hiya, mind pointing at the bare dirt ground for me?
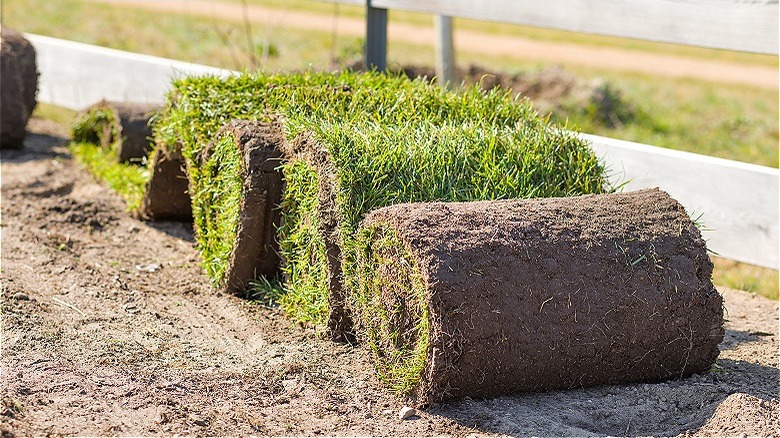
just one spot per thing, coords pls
(109, 327)
(483, 43)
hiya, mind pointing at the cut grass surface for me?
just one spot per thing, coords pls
(371, 140)
(215, 206)
(128, 180)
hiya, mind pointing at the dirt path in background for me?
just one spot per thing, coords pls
(488, 44)
(110, 327)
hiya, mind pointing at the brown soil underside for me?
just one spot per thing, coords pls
(160, 353)
(505, 282)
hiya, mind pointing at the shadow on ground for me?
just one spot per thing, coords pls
(655, 408)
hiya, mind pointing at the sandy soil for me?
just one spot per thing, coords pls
(477, 42)
(109, 327)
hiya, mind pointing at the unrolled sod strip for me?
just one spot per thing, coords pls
(484, 298)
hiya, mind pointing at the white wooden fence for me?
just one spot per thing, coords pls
(738, 201)
(741, 25)
(75, 75)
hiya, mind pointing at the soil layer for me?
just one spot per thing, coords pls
(147, 348)
(540, 294)
(166, 196)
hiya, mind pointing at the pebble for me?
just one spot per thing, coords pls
(151, 267)
(21, 296)
(198, 421)
(406, 413)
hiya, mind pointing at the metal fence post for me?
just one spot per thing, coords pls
(445, 52)
(376, 37)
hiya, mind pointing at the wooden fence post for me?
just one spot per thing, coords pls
(445, 52)
(376, 37)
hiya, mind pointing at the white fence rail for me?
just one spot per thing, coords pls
(738, 201)
(74, 75)
(741, 25)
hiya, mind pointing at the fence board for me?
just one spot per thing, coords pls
(748, 26)
(75, 75)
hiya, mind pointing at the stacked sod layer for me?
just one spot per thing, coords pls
(113, 140)
(96, 141)
(485, 298)
(354, 142)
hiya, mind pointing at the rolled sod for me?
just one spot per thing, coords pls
(18, 88)
(491, 297)
(240, 171)
(352, 143)
(166, 196)
(123, 125)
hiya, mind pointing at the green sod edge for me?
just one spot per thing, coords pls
(215, 189)
(389, 305)
(128, 180)
(390, 140)
(90, 126)
(302, 246)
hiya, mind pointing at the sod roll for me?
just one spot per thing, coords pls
(18, 87)
(485, 298)
(123, 125)
(240, 170)
(352, 143)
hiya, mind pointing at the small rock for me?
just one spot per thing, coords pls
(131, 309)
(151, 267)
(21, 296)
(406, 413)
(198, 421)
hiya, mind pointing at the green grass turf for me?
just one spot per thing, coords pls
(128, 180)
(385, 139)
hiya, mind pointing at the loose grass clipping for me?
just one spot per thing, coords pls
(19, 87)
(124, 126)
(477, 299)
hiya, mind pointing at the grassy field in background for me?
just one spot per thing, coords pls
(727, 121)
(724, 120)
